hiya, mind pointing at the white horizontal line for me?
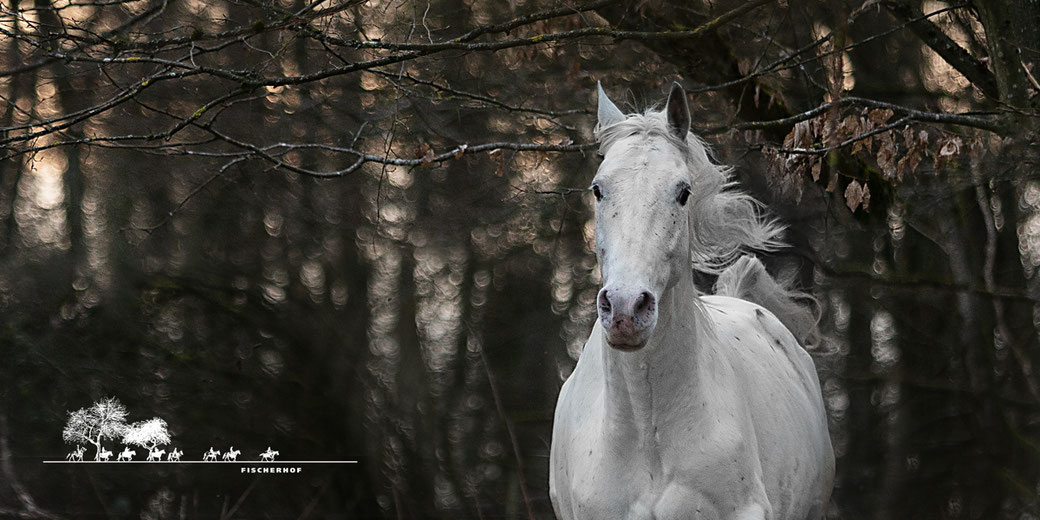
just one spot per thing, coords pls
(200, 462)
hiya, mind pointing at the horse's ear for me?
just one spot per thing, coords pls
(678, 111)
(608, 112)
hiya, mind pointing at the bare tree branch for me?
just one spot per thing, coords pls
(911, 115)
(944, 46)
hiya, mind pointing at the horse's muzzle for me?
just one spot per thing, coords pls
(628, 316)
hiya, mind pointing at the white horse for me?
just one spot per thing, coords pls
(155, 454)
(682, 405)
(211, 454)
(232, 454)
(174, 455)
(126, 454)
(269, 455)
(104, 454)
(76, 454)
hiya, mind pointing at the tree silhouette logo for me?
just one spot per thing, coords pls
(107, 420)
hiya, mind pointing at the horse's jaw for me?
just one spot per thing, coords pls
(625, 347)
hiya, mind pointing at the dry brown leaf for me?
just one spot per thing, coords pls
(879, 116)
(800, 136)
(908, 164)
(427, 159)
(916, 145)
(815, 171)
(864, 144)
(857, 195)
(461, 150)
(816, 125)
(949, 149)
(832, 184)
(908, 136)
(868, 143)
(849, 126)
(886, 155)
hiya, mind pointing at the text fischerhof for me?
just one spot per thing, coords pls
(255, 469)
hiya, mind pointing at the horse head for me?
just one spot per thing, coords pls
(642, 190)
(662, 211)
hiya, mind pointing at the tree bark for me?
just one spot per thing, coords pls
(1013, 35)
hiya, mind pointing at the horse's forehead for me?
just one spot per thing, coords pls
(644, 159)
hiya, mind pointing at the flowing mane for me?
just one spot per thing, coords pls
(724, 221)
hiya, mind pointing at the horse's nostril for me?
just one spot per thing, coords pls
(604, 302)
(644, 302)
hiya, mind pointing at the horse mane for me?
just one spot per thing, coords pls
(748, 279)
(724, 222)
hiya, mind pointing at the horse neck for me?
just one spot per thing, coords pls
(647, 388)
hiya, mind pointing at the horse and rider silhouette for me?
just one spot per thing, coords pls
(232, 454)
(269, 455)
(76, 454)
(156, 455)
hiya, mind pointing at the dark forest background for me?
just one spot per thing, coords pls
(360, 230)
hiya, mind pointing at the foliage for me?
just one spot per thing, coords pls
(147, 434)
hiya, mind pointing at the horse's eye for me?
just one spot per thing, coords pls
(684, 196)
(597, 192)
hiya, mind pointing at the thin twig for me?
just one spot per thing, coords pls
(509, 430)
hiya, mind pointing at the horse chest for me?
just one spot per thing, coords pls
(612, 489)
(620, 473)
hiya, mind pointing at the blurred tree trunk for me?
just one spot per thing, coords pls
(854, 491)
(874, 70)
(73, 177)
(11, 169)
(1012, 33)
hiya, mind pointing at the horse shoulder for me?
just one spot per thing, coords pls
(777, 380)
(581, 390)
(575, 425)
(751, 334)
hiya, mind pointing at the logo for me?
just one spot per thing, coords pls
(106, 421)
